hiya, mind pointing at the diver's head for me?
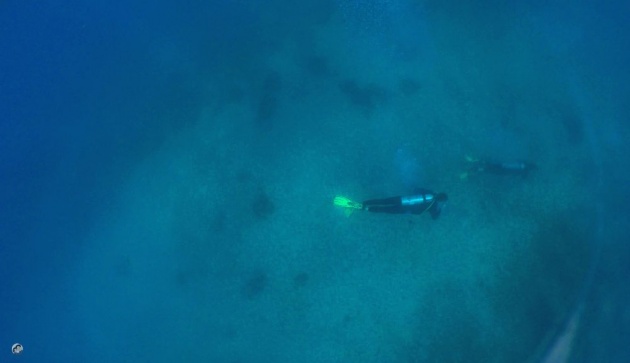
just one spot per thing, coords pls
(441, 197)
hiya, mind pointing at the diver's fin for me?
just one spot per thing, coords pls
(346, 203)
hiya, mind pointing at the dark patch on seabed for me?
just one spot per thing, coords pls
(255, 285)
(363, 96)
(300, 280)
(267, 105)
(262, 206)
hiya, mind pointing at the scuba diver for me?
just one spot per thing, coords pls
(421, 201)
(516, 167)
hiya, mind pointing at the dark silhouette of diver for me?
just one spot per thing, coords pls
(516, 167)
(421, 201)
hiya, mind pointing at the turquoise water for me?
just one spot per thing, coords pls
(168, 173)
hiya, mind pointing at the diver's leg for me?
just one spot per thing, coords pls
(382, 202)
(386, 205)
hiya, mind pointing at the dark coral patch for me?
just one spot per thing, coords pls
(267, 103)
(364, 96)
(255, 285)
(300, 280)
(262, 206)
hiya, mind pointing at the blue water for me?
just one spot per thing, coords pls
(168, 169)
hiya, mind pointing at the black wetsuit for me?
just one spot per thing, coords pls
(424, 200)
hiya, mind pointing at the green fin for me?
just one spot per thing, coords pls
(346, 203)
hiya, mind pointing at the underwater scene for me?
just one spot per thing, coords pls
(387, 181)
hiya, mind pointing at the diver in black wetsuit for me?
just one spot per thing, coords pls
(422, 201)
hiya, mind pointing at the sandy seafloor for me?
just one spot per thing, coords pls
(187, 215)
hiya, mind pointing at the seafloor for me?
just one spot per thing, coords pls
(217, 239)
(225, 243)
